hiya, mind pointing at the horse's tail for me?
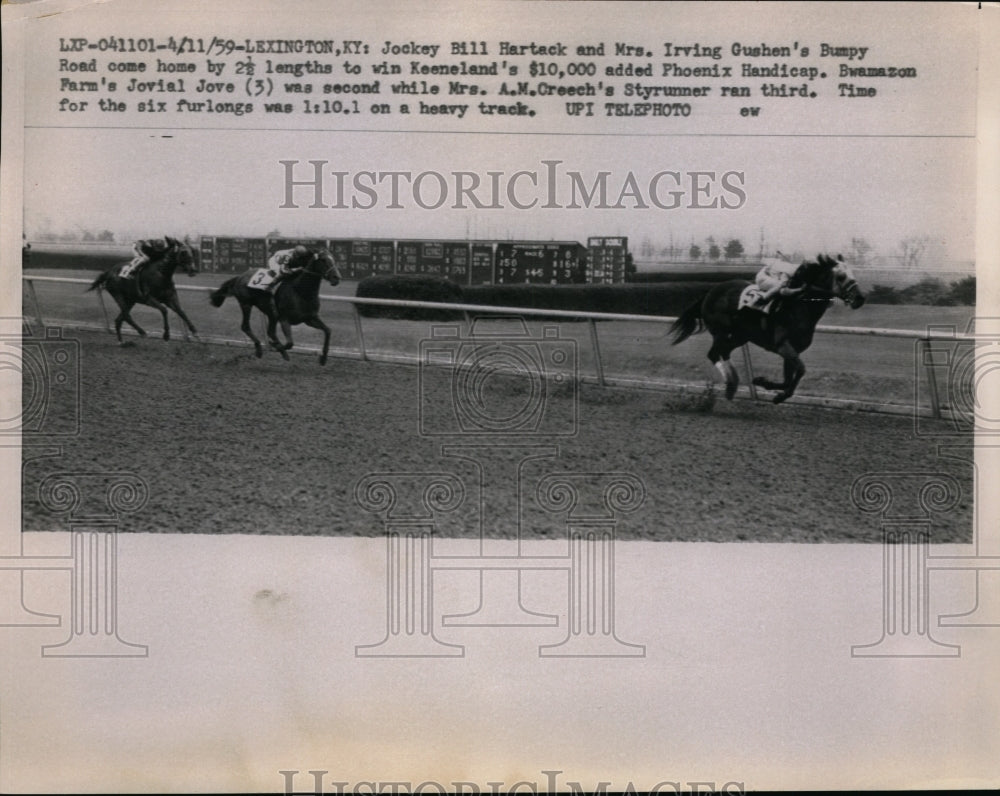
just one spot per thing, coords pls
(225, 290)
(100, 282)
(690, 322)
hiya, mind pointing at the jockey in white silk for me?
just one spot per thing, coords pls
(772, 279)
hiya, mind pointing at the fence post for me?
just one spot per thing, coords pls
(598, 364)
(34, 301)
(932, 384)
(104, 309)
(748, 363)
(361, 334)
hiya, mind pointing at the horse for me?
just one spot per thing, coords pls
(157, 278)
(295, 300)
(786, 331)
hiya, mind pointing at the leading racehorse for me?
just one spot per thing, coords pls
(786, 331)
(294, 301)
(158, 286)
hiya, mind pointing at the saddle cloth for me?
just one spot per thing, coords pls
(262, 279)
(127, 271)
(750, 299)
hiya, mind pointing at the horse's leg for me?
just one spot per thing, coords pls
(286, 327)
(270, 308)
(245, 326)
(156, 305)
(316, 323)
(125, 314)
(794, 371)
(719, 356)
(768, 384)
(272, 337)
(175, 305)
(119, 319)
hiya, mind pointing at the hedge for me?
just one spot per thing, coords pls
(694, 275)
(928, 291)
(637, 299)
(78, 260)
(410, 288)
(668, 299)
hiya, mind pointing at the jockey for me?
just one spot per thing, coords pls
(145, 251)
(278, 264)
(773, 279)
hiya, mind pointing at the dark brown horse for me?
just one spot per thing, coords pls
(294, 301)
(786, 331)
(154, 286)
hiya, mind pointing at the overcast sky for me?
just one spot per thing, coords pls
(231, 183)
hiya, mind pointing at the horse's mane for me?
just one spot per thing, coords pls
(813, 273)
(172, 252)
(312, 253)
(302, 260)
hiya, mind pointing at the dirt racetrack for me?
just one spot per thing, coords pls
(231, 444)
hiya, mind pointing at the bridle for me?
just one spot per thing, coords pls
(845, 290)
(332, 267)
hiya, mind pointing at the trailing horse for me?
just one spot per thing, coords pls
(295, 300)
(786, 331)
(157, 287)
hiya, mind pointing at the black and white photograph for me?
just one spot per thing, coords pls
(499, 397)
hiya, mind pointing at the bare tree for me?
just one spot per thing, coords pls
(860, 249)
(913, 249)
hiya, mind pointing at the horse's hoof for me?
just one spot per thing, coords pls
(128, 344)
(284, 354)
(322, 360)
(258, 352)
(142, 334)
(759, 381)
(730, 391)
(779, 398)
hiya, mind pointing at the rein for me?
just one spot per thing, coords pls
(324, 275)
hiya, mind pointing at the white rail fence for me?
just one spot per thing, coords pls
(937, 409)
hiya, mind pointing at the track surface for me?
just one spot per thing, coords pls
(232, 444)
